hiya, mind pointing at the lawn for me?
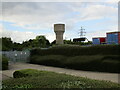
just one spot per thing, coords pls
(31, 78)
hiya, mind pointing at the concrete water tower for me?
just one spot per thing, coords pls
(59, 30)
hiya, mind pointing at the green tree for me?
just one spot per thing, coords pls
(42, 41)
(7, 44)
(68, 42)
(17, 46)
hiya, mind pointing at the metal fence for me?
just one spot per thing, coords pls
(16, 56)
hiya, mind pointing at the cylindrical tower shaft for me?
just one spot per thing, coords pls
(59, 29)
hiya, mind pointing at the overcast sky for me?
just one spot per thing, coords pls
(25, 20)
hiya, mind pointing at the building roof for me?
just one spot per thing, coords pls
(113, 32)
(98, 37)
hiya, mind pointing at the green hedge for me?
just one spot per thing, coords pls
(26, 73)
(52, 60)
(4, 63)
(44, 79)
(104, 63)
(78, 50)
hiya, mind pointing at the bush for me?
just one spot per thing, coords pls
(110, 66)
(84, 62)
(4, 63)
(52, 60)
(103, 58)
(78, 50)
(25, 73)
(104, 63)
(45, 79)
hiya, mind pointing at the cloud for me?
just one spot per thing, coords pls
(18, 36)
(42, 16)
(94, 11)
(60, 0)
(101, 33)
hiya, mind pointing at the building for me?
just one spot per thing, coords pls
(99, 40)
(59, 30)
(113, 38)
(79, 39)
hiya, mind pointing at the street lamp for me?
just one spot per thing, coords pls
(15, 57)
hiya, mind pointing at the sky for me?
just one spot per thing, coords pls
(25, 20)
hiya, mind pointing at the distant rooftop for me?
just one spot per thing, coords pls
(114, 32)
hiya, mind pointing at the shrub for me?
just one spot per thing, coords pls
(25, 73)
(94, 58)
(104, 63)
(84, 62)
(45, 79)
(78, 50)
(4, 63)
(52, 60)
(110, 66)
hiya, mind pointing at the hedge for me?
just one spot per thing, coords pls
(26, 73)
(4, 62)
(104, 63)
(45, 79)
(78, 50)
(50, 60)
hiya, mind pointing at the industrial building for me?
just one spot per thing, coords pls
(113, 38)
(99, 40)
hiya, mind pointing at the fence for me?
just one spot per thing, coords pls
(16, 56)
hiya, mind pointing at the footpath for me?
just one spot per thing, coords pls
(114, 77)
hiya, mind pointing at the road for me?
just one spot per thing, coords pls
(93, 75)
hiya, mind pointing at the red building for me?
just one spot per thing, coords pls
(113, 38)
(99, 40)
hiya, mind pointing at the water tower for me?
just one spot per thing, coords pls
(59, 30)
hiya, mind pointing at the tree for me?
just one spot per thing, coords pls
(42, 41)
(68, 42)
(17, 46)
(53, 43)
(39, 41)
(7, 44)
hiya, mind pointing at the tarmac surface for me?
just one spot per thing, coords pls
(6, 74)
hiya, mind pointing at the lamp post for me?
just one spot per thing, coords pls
(15, 57)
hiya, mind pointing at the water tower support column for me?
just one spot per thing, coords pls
(59, 30)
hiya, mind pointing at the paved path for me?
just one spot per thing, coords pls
(93, 75)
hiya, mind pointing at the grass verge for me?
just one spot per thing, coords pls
(30, 78)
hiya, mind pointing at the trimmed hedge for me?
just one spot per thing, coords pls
(104, 63)
(52, 60)
(103, 58)
(44, 79)
(4, 63)
(26, 73)
(78, 50)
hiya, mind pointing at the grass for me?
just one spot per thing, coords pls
(103, 63)
(31, 78)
